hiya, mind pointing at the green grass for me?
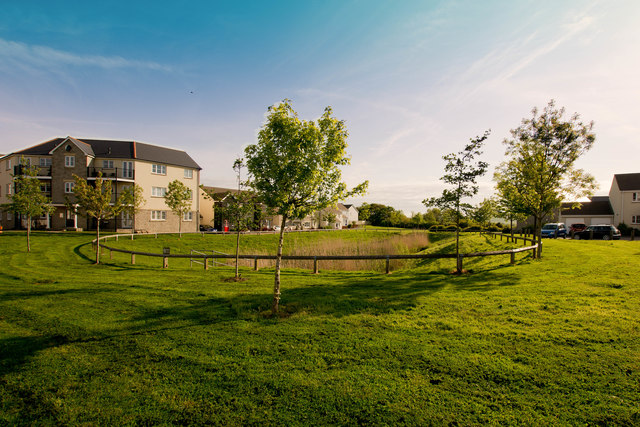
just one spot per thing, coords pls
(554, 341)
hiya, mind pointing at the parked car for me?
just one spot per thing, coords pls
(601, 231)
(554, 230)
(577, 227)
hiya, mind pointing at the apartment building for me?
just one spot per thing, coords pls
(124, 163)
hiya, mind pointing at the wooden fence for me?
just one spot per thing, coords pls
(317, 258)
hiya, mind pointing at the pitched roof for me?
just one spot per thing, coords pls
(118, 150)
(628, 181)
(599, 205)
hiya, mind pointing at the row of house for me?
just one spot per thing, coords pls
(124, 163)
(621, 206)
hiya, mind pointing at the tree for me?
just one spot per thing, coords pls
(94, 201)
(330, 218)
(295, 168)
(178, 198)
(540, 172)
(461, 174)
(484, 212)
(240, 208)
(27, 199)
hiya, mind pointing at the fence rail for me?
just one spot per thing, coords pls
(316, 258)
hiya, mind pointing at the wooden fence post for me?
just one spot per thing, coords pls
(110, 254)
(255, 263)
(315, 265)
(206, 263)
(513, 257)
(133, 259)
(633, 232)
(165, 262)
(131, 236)
(387, 265)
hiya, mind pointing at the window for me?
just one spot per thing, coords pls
(45, 187)
(188, 173)
(8, 189)
(68, 187)
(9, 164)
(635, 219)
(188, 216)
(9, 216)
(158, 191)
(107, 164)
(159, 169)
(635, 197)
(69, 161)
(158, 215)
(45, 161)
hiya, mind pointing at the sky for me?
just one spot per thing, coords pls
(413, 80)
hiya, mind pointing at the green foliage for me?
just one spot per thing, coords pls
(179, 199)
(484, 212)
(461, 174)
(124, 344)
(27, 199)
(540, 172)
(295, 167)
(95, 201)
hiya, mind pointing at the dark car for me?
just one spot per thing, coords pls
(599, 232)
(554, 230)
(575, 228)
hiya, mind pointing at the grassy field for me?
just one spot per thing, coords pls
(555, 341)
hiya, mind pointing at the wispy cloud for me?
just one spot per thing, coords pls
(43, 56)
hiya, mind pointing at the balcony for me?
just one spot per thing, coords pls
(111, 173)
(42, 170)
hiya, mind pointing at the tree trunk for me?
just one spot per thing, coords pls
(237, 248)
(29, 234)
(458, 269)
(539, 234)
(276, 285)
(98, 241)
(180, 226)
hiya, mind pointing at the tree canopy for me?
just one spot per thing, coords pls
(27, 199)
(540, 172)
(295, 167)
(461, 175)
(178, 198)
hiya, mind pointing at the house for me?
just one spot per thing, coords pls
(625, 198)
(124, 163)
(597, 210)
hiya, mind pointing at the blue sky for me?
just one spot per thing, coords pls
(413, 80)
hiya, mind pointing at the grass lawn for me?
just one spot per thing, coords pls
(555, 341)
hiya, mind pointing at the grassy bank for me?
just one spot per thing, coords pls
(552, 341)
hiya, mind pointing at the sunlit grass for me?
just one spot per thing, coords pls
(554, 341)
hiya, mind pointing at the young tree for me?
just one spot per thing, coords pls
(27, 199)
(540, 172)
(178, 198)
(240, 208)
(330, 218)
(295, 168)
(484, 211)
(94, 201)
(461, 174)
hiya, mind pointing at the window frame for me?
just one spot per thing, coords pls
(157, 166)
(69, 161)
(69, 185)
(188, 173)
(187, 216)
(45, 162)
(163, 191)
(108, 164)
(635, 219)
(158, 215)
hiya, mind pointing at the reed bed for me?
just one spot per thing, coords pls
(397, 244)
